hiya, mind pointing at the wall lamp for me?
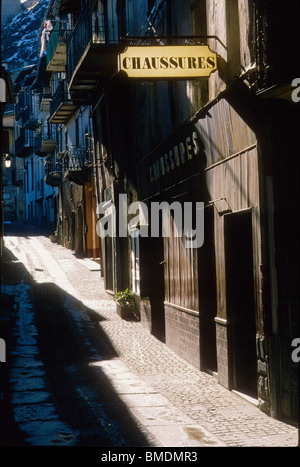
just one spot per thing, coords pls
(7, 161)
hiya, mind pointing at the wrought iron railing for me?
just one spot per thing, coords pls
(29, 120)
(49, 132)
(58, 36)
(91, 28)
(61, 95)
(25, 143)
(53, 171)
(261, 46)
(45, 94)
(47, 139)
(21, 104)
(77, 159)
(79, 39)
(268, 47)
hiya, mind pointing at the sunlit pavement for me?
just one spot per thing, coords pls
(167, 401)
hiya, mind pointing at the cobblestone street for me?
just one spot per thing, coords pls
(172, 402)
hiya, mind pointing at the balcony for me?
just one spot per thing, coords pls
(53, 170)
(20, 105)
(45, 99)
(61, 105)
(28, 119)
(48, 142)
(273, 77)
(77, 165)
(25, 144)
(57, 49)
(92, 50)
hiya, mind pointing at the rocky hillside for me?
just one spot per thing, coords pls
(19, 38)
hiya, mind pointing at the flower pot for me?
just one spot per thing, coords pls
(125, 311)
(53, 238)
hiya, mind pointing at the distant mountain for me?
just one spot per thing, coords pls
(19, 36)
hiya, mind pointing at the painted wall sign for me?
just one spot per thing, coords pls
(175, 157)
(165, 62)
(179, 157)
(180, 160)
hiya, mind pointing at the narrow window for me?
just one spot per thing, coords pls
(135, 261)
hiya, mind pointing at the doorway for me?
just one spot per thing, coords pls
(157, 286)
(207, 295)
(109, 263)
(240, 302)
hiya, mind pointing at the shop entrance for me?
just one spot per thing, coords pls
(157, 287)
(92, 240)
(207, 295)
(240, 302)
(109, 263)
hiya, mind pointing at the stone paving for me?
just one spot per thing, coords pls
(188, 398)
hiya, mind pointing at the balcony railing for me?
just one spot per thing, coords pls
(21, 105)
(47, 139)
(28, 119)
(61, 106)
(26, 143)
(79, 39)
(271, 73)
(77, 165)
(53, 172)
(92, 50)
(45, 99)
(57, 48)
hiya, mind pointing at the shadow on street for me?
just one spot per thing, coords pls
(88, 404)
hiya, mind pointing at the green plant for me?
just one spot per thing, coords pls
(123, 297)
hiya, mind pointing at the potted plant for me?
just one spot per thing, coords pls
(125, 304)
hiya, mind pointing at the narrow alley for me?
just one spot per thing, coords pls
(149, 231)
(76, 374)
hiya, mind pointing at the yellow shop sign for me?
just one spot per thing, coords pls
(165, 62)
